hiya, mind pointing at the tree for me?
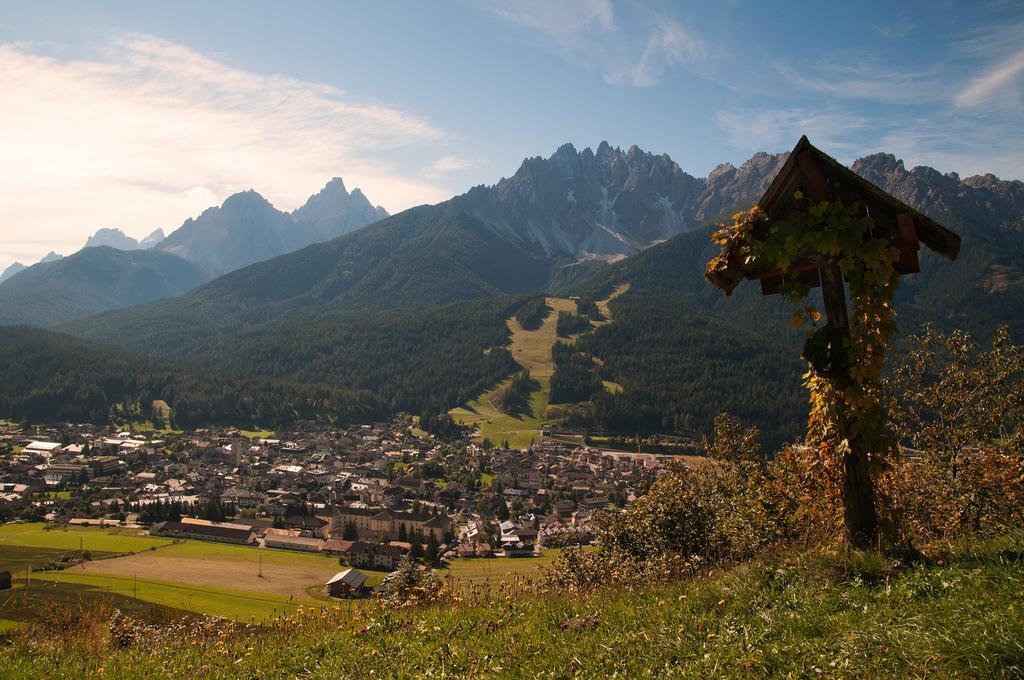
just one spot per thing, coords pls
(502, 509)
(409, 584)
(350, 533)
(432, 551)
(402, 534)
(417, 548)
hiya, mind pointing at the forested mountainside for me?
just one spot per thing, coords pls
(50, 376)
(329, 310)
(91, 281)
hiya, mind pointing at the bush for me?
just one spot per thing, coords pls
(411, 584)
(731, 507)
(962, 411)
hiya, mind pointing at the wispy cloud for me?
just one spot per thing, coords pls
(998, 79)
(449, 163)
(778, 129)
(944, 140)
(637, 53)
(562, 20)
(151, 132)
(867, 80)
(670, 43)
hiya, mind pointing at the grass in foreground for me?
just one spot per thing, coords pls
(804, 615)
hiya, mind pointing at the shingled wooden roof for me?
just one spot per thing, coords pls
(809, 173)
(797, 175)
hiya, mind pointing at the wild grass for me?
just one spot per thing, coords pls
(800, 614)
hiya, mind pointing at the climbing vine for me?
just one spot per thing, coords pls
(844, 376)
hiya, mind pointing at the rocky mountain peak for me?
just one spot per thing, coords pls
(115, 238)
(336, 185)
(246, 200)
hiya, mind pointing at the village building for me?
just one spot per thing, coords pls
(205, 532)
(348, 583)
(300, 543)
(376, 523)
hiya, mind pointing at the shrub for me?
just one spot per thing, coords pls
(411, 584)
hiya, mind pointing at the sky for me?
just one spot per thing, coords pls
(139, 115)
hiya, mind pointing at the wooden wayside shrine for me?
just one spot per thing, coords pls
(811, 175)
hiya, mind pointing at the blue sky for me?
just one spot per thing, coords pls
(139, 114)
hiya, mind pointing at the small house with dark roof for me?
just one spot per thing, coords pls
(348, 583)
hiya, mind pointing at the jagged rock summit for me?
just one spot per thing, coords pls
(246, 228)
(334, 211)
(609, 202)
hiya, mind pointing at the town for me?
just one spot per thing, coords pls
(368, 495)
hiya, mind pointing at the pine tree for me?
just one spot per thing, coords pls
(432, 552)
(417, 548)
(402, 534)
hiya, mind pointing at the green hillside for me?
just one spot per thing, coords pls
(92, 281)
(52, 377)
(795, 615)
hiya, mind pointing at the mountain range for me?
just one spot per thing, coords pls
(115, 238)
(412, 306)
(246, 228)
(91, 281)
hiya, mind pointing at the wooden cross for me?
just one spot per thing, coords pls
(811, 173)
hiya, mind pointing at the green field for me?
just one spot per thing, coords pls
(232, 581)
(799, 614)
(493, 572)
(214, 601)
(532, 351)
(23, 545)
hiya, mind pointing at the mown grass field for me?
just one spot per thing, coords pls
(33, 544)
(491, 573)
(798, 615)
(197, 576)
(200, 564)
(228, 603)
(532, 351)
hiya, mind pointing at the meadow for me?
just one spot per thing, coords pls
(195, 576)
(35, 544)
(797, 614)
(236, 582)
(531, 349)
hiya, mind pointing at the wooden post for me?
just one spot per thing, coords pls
(858, 491)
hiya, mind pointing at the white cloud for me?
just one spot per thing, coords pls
(871, 82)
(944, 140)
(961, 144)
(449, 163)
(779, 129)
(669, 43)
(152, 132)
(636, 52)
(998, 79)
(562, 19)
